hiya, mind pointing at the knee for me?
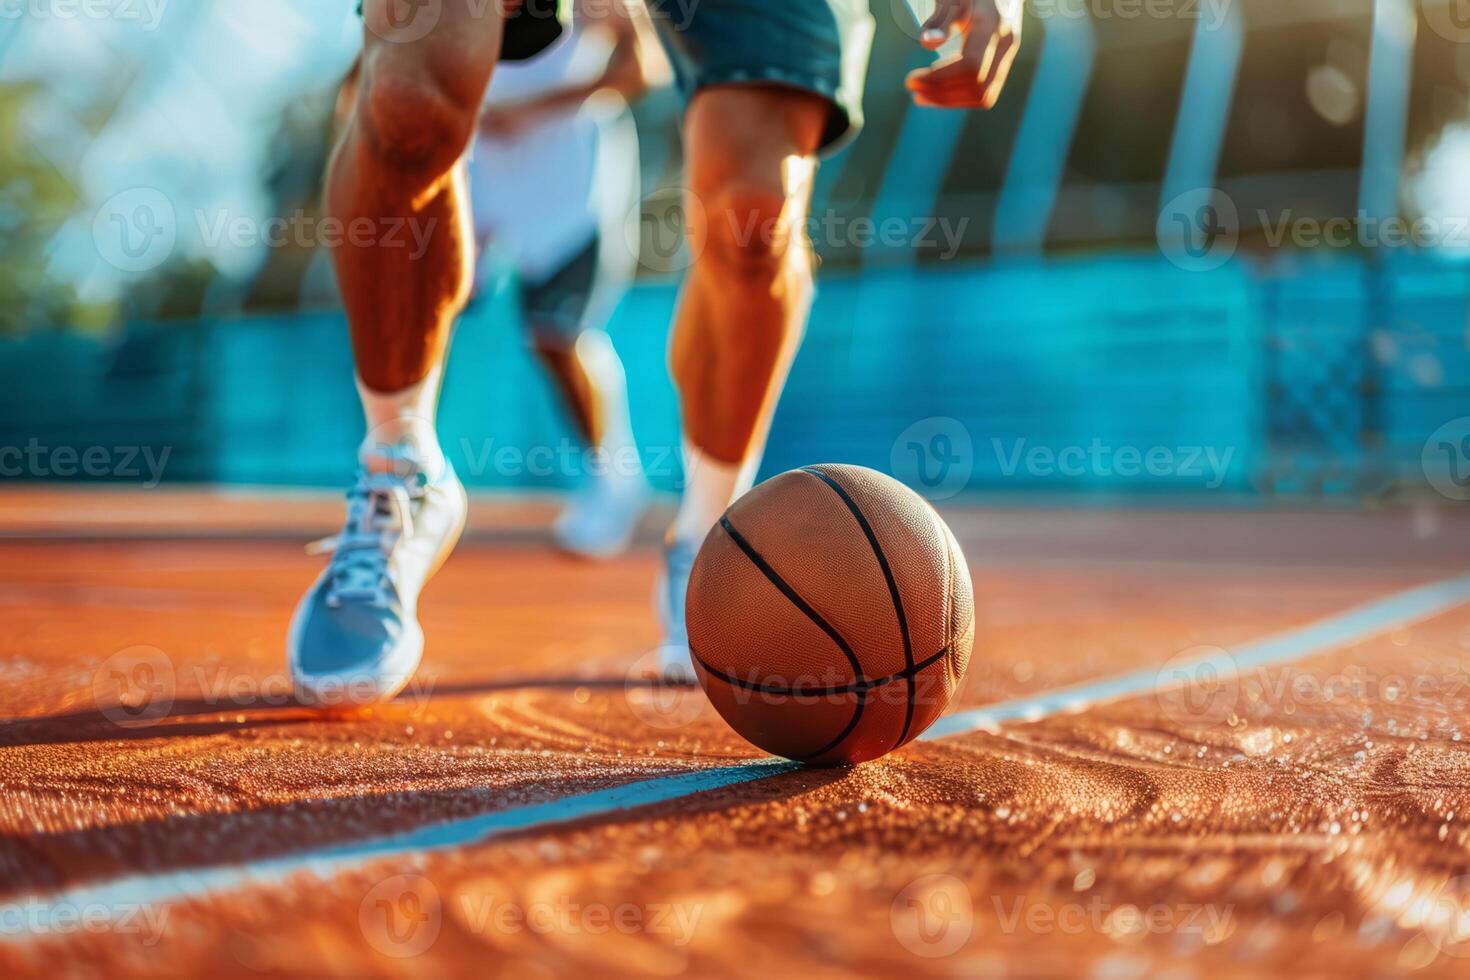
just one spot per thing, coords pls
(411, 125)
(754, 232)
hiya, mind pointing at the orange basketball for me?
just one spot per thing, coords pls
(830, 615)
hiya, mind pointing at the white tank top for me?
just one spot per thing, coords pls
(541, 196)
(575, 58)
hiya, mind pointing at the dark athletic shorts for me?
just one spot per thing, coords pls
(528, 31)
(558, 304)
(818, 46)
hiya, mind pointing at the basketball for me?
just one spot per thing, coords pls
(830, 615)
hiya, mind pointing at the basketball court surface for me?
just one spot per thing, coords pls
(1191, 743)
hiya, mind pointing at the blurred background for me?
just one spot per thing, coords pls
(1203, 250)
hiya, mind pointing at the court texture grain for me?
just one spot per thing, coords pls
(1191, 744)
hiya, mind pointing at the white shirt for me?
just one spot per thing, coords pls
(543, 194)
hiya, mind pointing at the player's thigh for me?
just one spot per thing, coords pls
(753, 138)
(418, 51)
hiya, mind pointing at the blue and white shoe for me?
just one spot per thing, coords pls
(355, 637)
(674, 662)
(600, 519)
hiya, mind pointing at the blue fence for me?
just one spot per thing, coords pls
(1317, 376)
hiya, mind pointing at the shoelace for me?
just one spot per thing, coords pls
(379, 515)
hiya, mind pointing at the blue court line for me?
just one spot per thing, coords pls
(1337, 630)
(25, 918)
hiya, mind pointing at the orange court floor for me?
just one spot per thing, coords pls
(533, 806)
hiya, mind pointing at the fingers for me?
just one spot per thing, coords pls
(949, 16)
(987, 49)
(955, 68)
(995, 81)
(975, 77)
(957, 95)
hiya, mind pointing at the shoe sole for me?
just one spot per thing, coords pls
(357, 687)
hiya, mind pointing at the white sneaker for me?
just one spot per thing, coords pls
(355, 636)
(674, 661)
(600, 519)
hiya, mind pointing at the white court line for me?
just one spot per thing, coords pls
(24, 918)
(1338, 630)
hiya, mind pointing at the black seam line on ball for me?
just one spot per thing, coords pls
(841, 736)
(855, 687)
(847, 729)
(815, 617)
(790, 593)
(903, 623)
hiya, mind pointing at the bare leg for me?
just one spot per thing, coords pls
(396, 189)
(751, 158)
(602, 514)
(751, 153)
(575, 382)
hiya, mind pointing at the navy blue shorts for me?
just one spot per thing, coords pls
(557, 305)
(530, 29)
(818, 46)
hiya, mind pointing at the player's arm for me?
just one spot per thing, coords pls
(635, 66)
(973, 76)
